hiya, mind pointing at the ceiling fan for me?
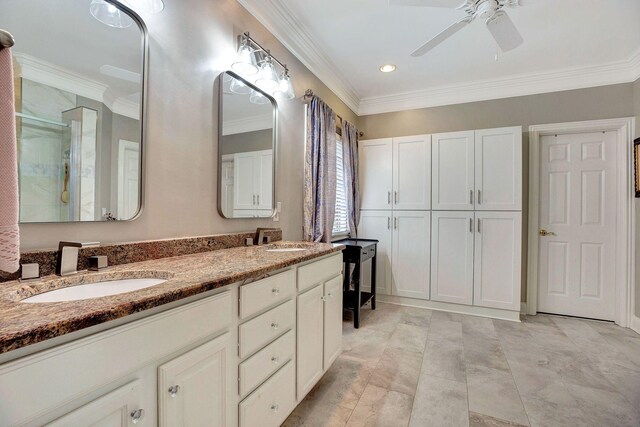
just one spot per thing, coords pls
(498, 22)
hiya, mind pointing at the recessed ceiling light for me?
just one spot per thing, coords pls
(388, 68)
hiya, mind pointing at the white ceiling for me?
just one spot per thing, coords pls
(568, 44)
(62, 36)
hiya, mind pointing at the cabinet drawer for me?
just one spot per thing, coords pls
(319, 271)
(270, 404)
(264, 363)
(268, 292)
(254, 334)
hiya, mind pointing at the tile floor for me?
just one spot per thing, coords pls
(415, 367)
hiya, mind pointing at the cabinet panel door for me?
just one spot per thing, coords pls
(310, 337)
(375, 175)
(453, 163)
(452, 236)
(377, 225)
(193, 389)
(498, 249)
(411, 254)
(412, 172)
(264, 185)
(498, 169)
(332, 320)
(244, 196)
(111, 410)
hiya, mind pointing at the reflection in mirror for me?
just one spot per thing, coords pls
(246, 149)
(79, 91)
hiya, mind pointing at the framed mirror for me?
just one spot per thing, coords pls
(79, 69)
(246, 149)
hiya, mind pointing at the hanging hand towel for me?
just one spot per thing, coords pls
(9, 231)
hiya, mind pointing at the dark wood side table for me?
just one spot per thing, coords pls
(357, 251)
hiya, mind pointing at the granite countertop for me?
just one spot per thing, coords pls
(22, 324)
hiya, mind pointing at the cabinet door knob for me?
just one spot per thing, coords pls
(173, 390)
(395, 195)
(275, 325)
(275, 291)
(478, 225)
(471, 197)
(470, 225)
(254, 199)
(258, 197)
(330, 295)
(275, 359)
(388, 197)
(275, 407)
(137, 416)
(388, 223)
(479, 197)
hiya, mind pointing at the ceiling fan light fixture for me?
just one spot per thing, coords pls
(388, 68)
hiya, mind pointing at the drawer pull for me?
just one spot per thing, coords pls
(275, 291)
(323, 298)
(275, 407)
(173, 390)
(275, 325)
(137, 416)
(275, 359)
(330, 295)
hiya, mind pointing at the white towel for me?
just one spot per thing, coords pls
(9, 231)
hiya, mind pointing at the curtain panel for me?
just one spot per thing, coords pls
(350, 160)
(319, 172)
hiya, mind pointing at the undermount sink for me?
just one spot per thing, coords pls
(288, 247)
(94, 290)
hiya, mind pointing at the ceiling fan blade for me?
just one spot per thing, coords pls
(451, 4)
(505, 32)
(441, 37)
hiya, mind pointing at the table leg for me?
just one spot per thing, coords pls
(373, 282)
(358, 281)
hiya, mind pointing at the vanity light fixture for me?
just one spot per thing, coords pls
(245, 63)
(237, 86)
(145, 6)
(285, 90)
(388, 68)
(267, 76)
(109, 14)
(258, 98)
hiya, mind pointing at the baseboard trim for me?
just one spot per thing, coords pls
(635, 324)
(494, 313)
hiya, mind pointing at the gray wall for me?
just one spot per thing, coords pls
(247, 141)
(577, 105)
(636, 109)
(181, 145)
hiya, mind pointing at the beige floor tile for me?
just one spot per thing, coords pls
(480, 420)
(381, 407)
(409, 338)
(445, 315)
(485, 352)
(605, 408)
(553, 405)
(367, 344)
(477, 327)
(493, 392)
(416, 316)
(441, 329)
(444, 359)
(314, 414)
(398, 370)
(440, 402)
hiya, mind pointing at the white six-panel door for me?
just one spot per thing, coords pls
(498, 169)
(412, 173)
(497, 260)
(244, 181)
(453, 171)
(577, 208)
(411, 254)
(375, 173)
(377, 225)
(452, 235)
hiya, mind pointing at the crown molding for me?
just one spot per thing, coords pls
(247, 124)
(520, 85)
(283, 24)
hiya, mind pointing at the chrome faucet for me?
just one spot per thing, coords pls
(259, 237)
(67, 258)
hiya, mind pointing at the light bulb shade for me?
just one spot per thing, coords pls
(285, 89)
(258, 98)
(109, 14)
(245, 63)
(267, 79)
(145, 6)
(239, 87)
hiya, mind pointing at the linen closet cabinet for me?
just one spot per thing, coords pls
(395, 186)
(447, 211)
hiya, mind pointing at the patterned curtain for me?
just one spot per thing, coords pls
(319, 172)
(350, 159)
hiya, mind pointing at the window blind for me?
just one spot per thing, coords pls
(341, 220)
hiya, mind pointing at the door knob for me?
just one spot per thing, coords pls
(544, 232)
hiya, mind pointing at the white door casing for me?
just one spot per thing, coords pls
(625, 211)
(578, 200)
(412, 173)
(411, 254)
(498, 169)
(452, 237)
(375, 173)
(226, 198)
(453, 171)
(128, 179)
(377, 225)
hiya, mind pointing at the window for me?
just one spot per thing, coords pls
(341, 221)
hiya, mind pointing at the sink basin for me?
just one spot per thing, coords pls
(94, 290)
(288, 247)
